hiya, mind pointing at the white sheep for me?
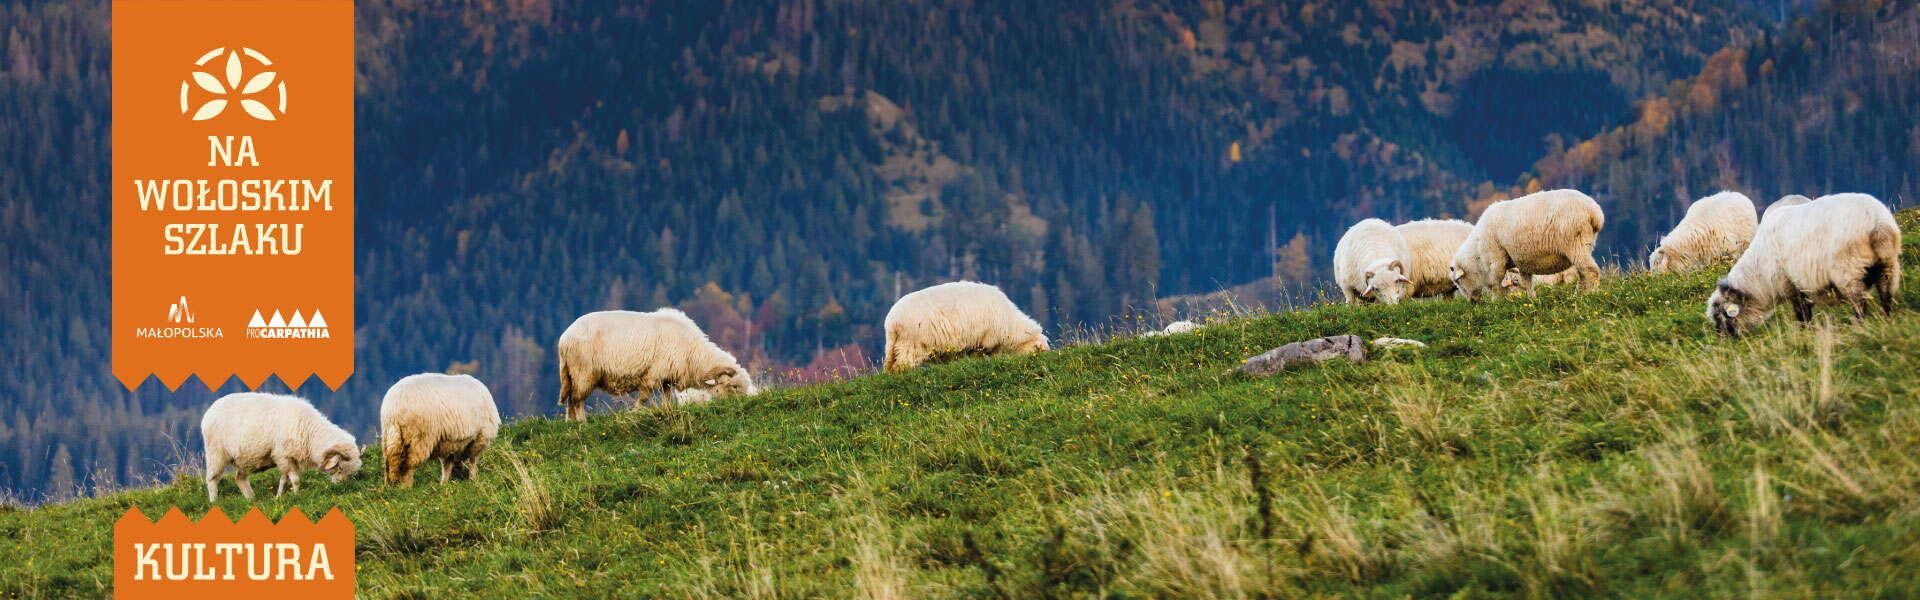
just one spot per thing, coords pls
(623, 352)
(957, 318)
(1430, 247)
(1839, 246)
(1179, 327)
(430, 415)
(1369, 263)
(1716, 228)
(1174, 328)
(253, 432)
(1539, 234)
(1783, 202)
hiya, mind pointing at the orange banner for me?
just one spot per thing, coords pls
(232, 191)
(217, 558)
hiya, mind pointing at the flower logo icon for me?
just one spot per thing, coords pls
(225, 86)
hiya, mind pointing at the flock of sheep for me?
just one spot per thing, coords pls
(453, 417)
(1801, 252)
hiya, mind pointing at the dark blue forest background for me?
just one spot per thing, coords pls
(782, 170)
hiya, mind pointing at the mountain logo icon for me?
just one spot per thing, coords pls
(279, 327)
(262, 94)
(178, 312)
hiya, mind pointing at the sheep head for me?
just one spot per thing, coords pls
(728, 381)
(1473, 278)
(1657, 261)
(340, 462)
(1732, 311)
(1386, 282)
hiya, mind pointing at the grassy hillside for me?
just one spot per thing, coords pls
(1603, 443)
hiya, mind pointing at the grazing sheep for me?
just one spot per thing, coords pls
(1716, 228)
(428, 416)
(623, 352)
(1369, 263)
(253, 431)
(1430, 246)
(1539, 234)
(1839, 246)
(1786, 201)
(962, 317)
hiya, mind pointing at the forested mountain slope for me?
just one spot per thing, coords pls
(1826, 105)
(783, 169)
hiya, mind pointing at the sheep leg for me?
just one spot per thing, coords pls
(1884, 278)
(1802, 307)
(280, 484)
(418, 454)
(570, 396)
(446, 469)
(1856, 296)
(1589, 270)
(293, 477)
(240, 479)
(473, 458)
(216, 466)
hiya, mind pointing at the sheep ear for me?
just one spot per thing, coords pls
(719, 374)
(333, 460)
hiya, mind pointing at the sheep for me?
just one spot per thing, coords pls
(1179, 327)
(430, 415)
(1716, 228)
(1430, 245)
(253, 431)
(1540, 233)
(1174, 328)
(1841, 246)
(1369, 263)
(961, 317)
(622, 352)
(1783, 202)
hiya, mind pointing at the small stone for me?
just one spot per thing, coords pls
(1388, 343)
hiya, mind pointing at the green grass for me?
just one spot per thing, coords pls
(1597, 444)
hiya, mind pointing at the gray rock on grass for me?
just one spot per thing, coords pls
(1309, 351)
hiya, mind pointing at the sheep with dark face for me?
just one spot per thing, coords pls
(1842, 247)
(1539, 234)
(623, 352)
